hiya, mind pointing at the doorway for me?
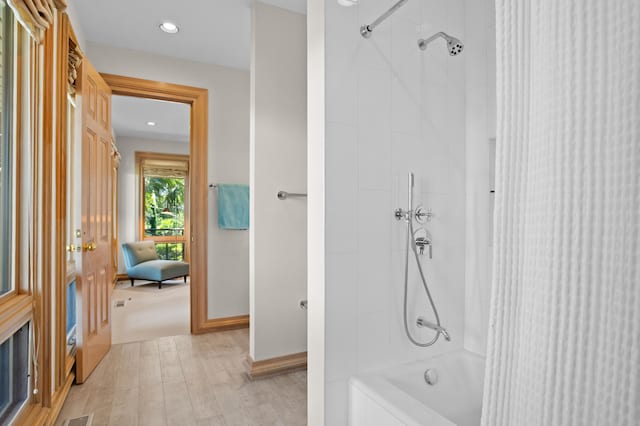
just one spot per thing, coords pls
(152, 139)
(196, 99)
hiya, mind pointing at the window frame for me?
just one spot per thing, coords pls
(11, 117)
(17, 305)
(20, 410)
(140, 157)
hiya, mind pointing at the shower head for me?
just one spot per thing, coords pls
(454, 46)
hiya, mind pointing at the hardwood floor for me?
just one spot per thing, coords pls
(186, 380)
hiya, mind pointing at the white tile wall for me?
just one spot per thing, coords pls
(480, 128)
(390, 109)
(337, 397)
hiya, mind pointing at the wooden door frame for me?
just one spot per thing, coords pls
(197, 99)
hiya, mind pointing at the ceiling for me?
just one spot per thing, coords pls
(212, 31)
(129, 117)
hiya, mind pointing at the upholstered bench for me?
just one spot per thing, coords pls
(143, 263)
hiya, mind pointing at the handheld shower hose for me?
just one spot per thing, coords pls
(412, 246)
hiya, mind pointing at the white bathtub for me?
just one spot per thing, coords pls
(400, 396)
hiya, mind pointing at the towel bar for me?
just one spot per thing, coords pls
(283, 195)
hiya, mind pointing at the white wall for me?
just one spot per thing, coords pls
(75, 22)
(480, 130)
(390, 109)
(278, 162)
(128, 185)
(228, 251)
(316, 211)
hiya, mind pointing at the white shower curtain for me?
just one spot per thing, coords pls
(564, 340)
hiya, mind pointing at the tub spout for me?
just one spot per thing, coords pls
(421, 322)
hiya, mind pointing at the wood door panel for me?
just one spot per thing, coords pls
(91, 98)
(90, 283)
(104, 110)
(94, 338)
(104, 195)
(104, 288)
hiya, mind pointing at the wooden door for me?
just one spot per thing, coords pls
(95, 283)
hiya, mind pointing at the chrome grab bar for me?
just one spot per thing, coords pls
(283, 195)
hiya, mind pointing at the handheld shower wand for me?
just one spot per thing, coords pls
(409, 216)
(454, 46)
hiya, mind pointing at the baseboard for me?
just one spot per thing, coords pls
(274, 366)
(58, 401)
(223, 324)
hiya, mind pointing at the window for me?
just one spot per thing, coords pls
(164, 196)
(18, 117)
(6, 149)
(14, 380)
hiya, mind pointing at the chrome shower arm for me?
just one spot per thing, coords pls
(425, 41)
(366, 30)
(454, 46)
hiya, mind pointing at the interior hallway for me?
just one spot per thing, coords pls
(186, 380)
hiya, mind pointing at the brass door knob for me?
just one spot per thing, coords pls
(89, 246)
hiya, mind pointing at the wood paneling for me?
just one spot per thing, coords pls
(15, 312)
(58, 400)
(61, 145)
(47, 258)
(197, 98)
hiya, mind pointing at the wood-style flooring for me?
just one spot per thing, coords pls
(186, 380)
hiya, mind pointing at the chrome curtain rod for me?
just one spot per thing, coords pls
(366, 30)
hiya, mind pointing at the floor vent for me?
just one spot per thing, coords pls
(120, 303)
(79, 421)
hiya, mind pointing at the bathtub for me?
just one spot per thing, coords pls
(400, 395)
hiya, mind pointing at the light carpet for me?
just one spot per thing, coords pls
(149, 312)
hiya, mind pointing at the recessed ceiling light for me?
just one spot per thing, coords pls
(169, 27)
(151, 123)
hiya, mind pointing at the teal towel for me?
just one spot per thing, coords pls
(233, 206)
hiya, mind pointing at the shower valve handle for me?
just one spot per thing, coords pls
(423, 215)
(421, 242)
(401, 214)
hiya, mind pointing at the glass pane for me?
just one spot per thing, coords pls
(6, 152)
(170, 251)
(163, 206)
(14, 380)
(71, 316)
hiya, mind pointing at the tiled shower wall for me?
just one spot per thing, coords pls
(390, 109)
(480, 140)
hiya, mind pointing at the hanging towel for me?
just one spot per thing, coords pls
(233, 206)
